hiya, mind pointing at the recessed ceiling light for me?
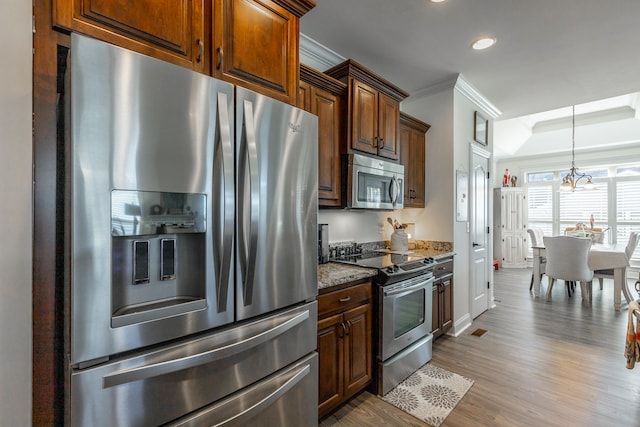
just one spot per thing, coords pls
(483, 43)
(437, 1)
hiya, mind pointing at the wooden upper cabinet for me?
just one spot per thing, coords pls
(250, 43)
(256, 45)
(364, 125)
(322, 95)
(171, 30)
(412, 156)
(388, 126)
(373, 110)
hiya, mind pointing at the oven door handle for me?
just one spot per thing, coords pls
(402, 290)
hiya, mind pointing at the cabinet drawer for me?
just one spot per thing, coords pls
(443, 268)
(344, 298)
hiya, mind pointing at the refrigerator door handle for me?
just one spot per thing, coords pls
(248, 231)
(224, 225)
(241, 418)
(167, 365)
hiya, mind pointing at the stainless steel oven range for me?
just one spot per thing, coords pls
(403, 314)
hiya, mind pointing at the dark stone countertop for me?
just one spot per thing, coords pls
(335, 274)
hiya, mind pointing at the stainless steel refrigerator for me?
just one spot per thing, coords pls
(191, 272)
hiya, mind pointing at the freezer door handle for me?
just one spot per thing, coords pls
(248, 227)
(166, 364)
(265, 396)
(223, 155)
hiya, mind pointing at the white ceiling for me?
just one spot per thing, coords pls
(549, 54)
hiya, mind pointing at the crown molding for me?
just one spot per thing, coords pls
(466, 89)
(448, 83)
(316, 55)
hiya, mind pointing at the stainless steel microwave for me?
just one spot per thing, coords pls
(373, 183)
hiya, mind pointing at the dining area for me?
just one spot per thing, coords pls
(578, 258)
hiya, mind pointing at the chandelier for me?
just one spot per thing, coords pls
(571, 179)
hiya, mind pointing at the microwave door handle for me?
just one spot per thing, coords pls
(393, 195)
(224, 222)
(248, 227)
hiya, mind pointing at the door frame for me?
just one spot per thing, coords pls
(475, 150)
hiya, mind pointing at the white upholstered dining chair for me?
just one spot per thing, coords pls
(535, 237)
(632, 243)
(568, 260)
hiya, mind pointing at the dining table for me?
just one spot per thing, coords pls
(602, 256)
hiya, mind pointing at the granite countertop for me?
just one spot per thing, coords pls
(334, 273)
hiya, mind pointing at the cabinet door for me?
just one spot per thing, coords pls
(358, 349)
(417, 171)
(446, 308)
(170, 30)
(327, 107)
(513, 210)
(514, 250)
(388, 122)
(435, 310)
(256, 46)
(331, 363)
(404, 154)
(364, 118)
(304, 96)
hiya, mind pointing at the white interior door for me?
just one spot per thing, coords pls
(479, 198)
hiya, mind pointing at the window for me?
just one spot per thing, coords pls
(615, 204)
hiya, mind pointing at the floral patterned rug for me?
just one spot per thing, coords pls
(429, 394)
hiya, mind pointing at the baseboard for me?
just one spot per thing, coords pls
(460, 326)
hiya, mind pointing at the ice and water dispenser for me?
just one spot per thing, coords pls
(158, 250)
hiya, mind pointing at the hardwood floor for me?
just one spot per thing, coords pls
(540, 363)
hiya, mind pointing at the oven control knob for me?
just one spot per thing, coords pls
(396, 268)
(389, 269)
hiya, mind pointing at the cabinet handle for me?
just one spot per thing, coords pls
(348, 327)
(381, 144)
(220, 58)
(345, 299)
(200, 50)
(344, 330)
(376, 142)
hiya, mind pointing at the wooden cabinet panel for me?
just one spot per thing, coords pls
(364, 120)
(447, 303)
(388, 122)
(171, 30)
(255, 45)
(373, 110)
(442, 315)
(250, 43)
(358, 350)
(331, 363)
(435, 311)
(304, 97)
(322, 95)
(344, 344)
(412, 156)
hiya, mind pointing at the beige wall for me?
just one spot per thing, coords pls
(16, 214)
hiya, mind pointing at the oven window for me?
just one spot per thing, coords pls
(373, 188)
(408, 312)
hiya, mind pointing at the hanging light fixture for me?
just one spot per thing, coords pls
(570, 180)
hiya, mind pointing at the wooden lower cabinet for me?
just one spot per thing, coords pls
(344, 345)
(442, 313)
